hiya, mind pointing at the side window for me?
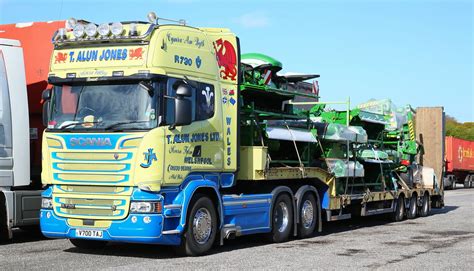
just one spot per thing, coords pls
(202, 100)
(205, 102)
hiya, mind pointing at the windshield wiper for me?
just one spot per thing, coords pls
(78, 123)
(113, 125)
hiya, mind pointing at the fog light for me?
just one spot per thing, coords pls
(147, 219)
(104, 30)
(91, 30)
(48, 215)
(46, 203)
(78, 31)
(70, 23)
(134, 219)
(116, 29)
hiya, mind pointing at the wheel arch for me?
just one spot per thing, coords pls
(199, 186)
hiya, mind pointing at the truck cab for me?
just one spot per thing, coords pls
(136, 126)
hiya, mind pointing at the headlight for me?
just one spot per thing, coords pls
(145, 207)
(46, 203)
(78, 31)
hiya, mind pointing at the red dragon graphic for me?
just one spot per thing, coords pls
(226, 59)
(136, 53)
(60, 58)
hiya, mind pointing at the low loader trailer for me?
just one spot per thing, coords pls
(167, 134)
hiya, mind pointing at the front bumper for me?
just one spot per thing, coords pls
(132, 229)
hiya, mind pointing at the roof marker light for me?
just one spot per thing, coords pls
(133, 30)
(152, 17)
(116, 29)
(61, 34)
(117, 73)
(104, 30)
(91, 30)
(78, 31)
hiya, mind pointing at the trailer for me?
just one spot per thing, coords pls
(25, 51)
(459, 162)
(167, 134)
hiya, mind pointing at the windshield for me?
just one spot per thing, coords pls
(112, 106)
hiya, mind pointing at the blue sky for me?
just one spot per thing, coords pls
(417, 52)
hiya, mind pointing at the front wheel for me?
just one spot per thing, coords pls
(308, 216)
(88, 244)
(282, 219)
(201, 227)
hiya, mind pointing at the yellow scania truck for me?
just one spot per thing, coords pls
(166, 134)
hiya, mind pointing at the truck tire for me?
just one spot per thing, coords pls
(201, 228)
(468, 183)
(399, 213)
(88, 244)
(308, 215)
(412, 210)
(282, 218)
(425, 205)
(4, 233)
(453, 184)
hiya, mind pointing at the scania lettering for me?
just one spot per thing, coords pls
(81, 141)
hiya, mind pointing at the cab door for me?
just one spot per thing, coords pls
(197, 147)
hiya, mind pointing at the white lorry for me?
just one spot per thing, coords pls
(19, 201)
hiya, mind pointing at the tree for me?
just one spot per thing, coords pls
(460, 130)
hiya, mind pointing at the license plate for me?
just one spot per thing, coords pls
(89, 233)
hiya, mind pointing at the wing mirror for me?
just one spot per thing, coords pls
(46, 95)
(182, 106)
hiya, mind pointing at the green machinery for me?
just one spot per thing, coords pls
(370, 148)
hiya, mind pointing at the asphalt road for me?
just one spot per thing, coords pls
(444, 240)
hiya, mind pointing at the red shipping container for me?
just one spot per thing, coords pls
(459, 154)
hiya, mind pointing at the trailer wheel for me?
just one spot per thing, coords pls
(282, 219)
(399, 213)
(201, 227)
(308, 215)
(88, 244)
(412, 210)
(425, 205)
